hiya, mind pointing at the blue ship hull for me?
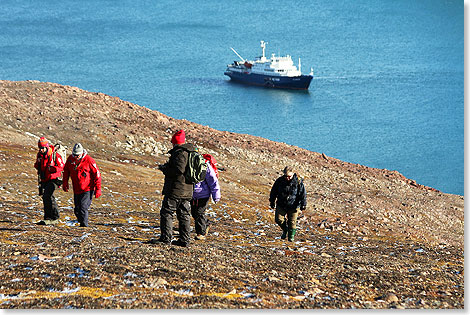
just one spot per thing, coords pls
(297, 83)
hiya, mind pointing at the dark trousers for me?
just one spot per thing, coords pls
(82, 203)
(198, 209)
(51, 211)
(182, 208)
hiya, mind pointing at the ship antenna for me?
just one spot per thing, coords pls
(263, 45)
(299, 66)
(238, 54)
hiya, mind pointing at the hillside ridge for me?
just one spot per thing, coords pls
(398, 224)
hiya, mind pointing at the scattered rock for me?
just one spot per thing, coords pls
(383, 229)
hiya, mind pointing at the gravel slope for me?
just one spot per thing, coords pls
(369, 238)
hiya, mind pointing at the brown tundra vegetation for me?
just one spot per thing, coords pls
(370, 238)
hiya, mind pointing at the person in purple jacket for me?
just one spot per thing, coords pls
(201, 195)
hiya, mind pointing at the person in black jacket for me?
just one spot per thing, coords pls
(287, 195)
(177, 193)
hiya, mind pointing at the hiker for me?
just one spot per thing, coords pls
(177, 193)
(288, 194)
(86, 181)
(49, 165)
(202, 193)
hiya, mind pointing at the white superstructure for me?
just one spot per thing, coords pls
(275, 66)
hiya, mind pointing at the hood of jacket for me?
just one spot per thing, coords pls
(185, 146)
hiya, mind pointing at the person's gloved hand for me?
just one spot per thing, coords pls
(97, 193)
(272, 205)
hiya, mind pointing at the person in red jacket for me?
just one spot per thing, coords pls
(86, 181)
(49, 165)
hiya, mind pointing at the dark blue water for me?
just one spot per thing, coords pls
(388, 88)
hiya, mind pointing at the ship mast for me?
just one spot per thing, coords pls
(263, 46)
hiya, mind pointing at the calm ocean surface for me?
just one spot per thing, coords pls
(388, 87)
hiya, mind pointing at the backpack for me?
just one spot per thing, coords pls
(59, 148)
(209, 158)
(196, 168)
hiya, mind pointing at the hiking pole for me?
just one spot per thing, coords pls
(41, 190)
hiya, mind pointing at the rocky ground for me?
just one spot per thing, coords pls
(370, 238)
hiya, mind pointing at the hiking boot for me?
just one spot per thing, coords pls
(200, 237)
(291, 234)
(152, 241)
(180, 243)
(284, 231)
(48, 222)
(158, 241)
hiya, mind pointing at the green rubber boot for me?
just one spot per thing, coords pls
(291, 234)
(284, 231)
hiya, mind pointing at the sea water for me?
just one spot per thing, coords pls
(388, 87)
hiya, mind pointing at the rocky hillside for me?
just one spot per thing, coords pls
(370, 238)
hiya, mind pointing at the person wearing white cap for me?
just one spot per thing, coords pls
(86, 181)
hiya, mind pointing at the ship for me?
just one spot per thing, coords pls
(276, 72)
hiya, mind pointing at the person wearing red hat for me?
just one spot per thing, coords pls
(177, 193)
(49, 165)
